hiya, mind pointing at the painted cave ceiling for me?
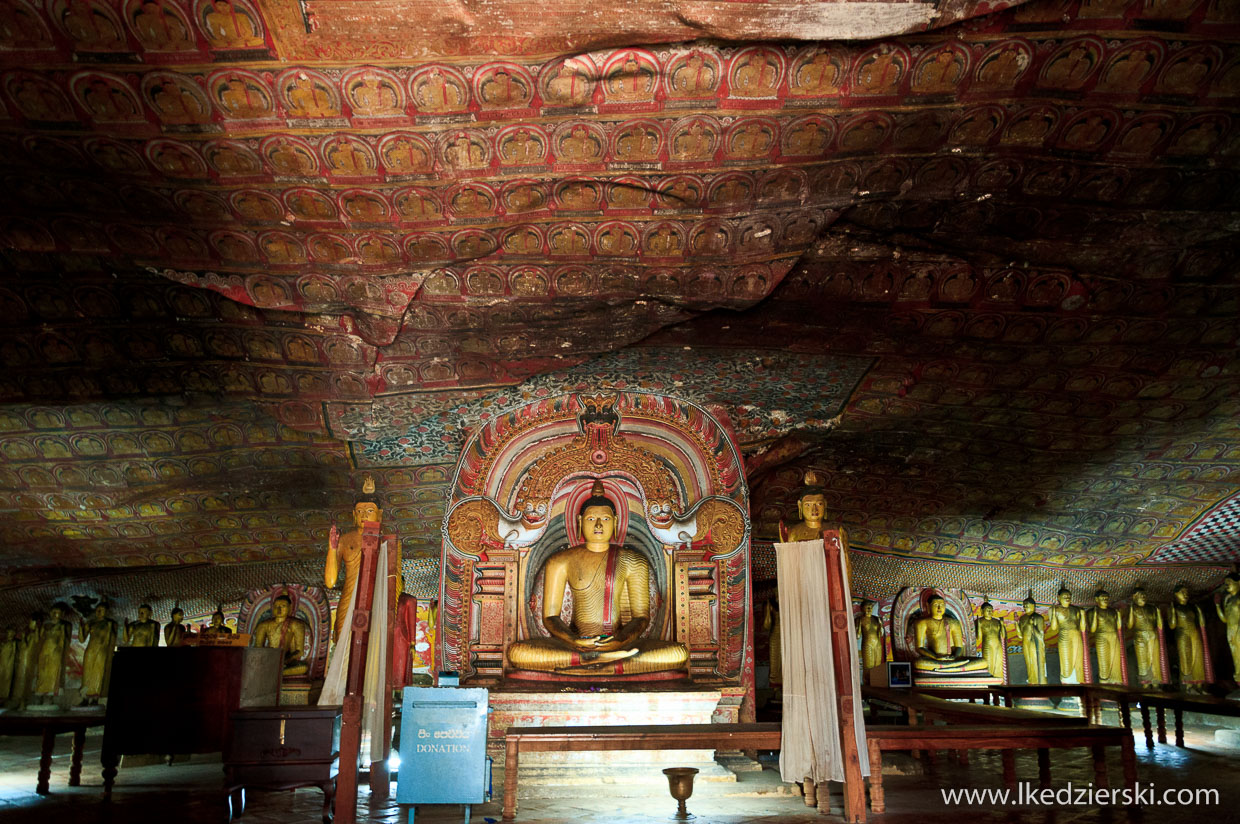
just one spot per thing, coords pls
(974, 265)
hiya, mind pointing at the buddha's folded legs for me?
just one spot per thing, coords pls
(647, 656)
(552, 655)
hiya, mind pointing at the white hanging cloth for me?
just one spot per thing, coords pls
(335, 682)
(811, 727)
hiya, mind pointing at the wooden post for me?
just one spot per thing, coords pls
(351, 714)
(842, 645)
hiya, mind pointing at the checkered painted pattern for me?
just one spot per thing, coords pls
(1214, 538)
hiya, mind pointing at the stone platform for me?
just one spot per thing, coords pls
(554, 774)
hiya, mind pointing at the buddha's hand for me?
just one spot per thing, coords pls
(591, 641)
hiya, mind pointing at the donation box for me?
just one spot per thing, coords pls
(443, 747)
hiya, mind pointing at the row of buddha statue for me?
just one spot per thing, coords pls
(939, 646)
(33, 659)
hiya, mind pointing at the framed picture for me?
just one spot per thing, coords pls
(899, 674)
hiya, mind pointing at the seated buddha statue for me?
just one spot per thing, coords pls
(283, 632)
(607, 583)
(939, 643)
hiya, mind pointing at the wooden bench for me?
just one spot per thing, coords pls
(1178, 703)
(1007, 739)
(660, 737)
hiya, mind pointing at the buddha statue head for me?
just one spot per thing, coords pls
(177, 615)
(1181, 594)
(937, 607)
(366, 510)
(988, 610)
(596, 519)
(1138, 597)
(101, 610)
(144, 613)
(281, 606)
(1065, 597)
(867, 607)
(1102, 598)
(812, 504)
(1231, 584)
(1030, 605)
(217, 619)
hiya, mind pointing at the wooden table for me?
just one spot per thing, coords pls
(658, 737)
(1090, 695)
(1008, 739)
(1178, 703)
(49, 725)
(917, 702)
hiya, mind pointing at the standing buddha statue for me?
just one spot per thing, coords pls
(992, 640)
(870, 628)
(1146, 623)
(1104, 628)
(100, 634)
(345, 555)
(143, 632)
(1187, 622)
(607, 583)
(25, 662)
(1069, 621)
(1033, 641)
(8, 663)
(53, 647)
(1228, 609)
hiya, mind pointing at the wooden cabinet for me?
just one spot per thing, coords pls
(281, 748)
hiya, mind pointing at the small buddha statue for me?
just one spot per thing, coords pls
(939, 643)
(871, 631)
(100, 634)
(1186, 621)
(607, 582)
(53, 646)
(1032, 628)
(8, 663)
(1228, 609)
(175, 630)
(1069, 621)
(284, 632)
(143, 632)
(992, 640)
(1104, 628)
(217, 626)
(1146, 623)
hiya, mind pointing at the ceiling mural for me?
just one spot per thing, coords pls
(974, 265)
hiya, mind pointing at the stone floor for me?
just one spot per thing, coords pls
(186, 793)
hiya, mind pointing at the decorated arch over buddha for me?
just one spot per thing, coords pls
(598, 537)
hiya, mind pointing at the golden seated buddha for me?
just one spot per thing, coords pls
(283, 632)
(607, 582)
(940, 643)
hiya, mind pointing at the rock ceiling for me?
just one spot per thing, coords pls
(974, 265)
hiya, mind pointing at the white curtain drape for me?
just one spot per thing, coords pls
(376, 658)
(811, 730)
